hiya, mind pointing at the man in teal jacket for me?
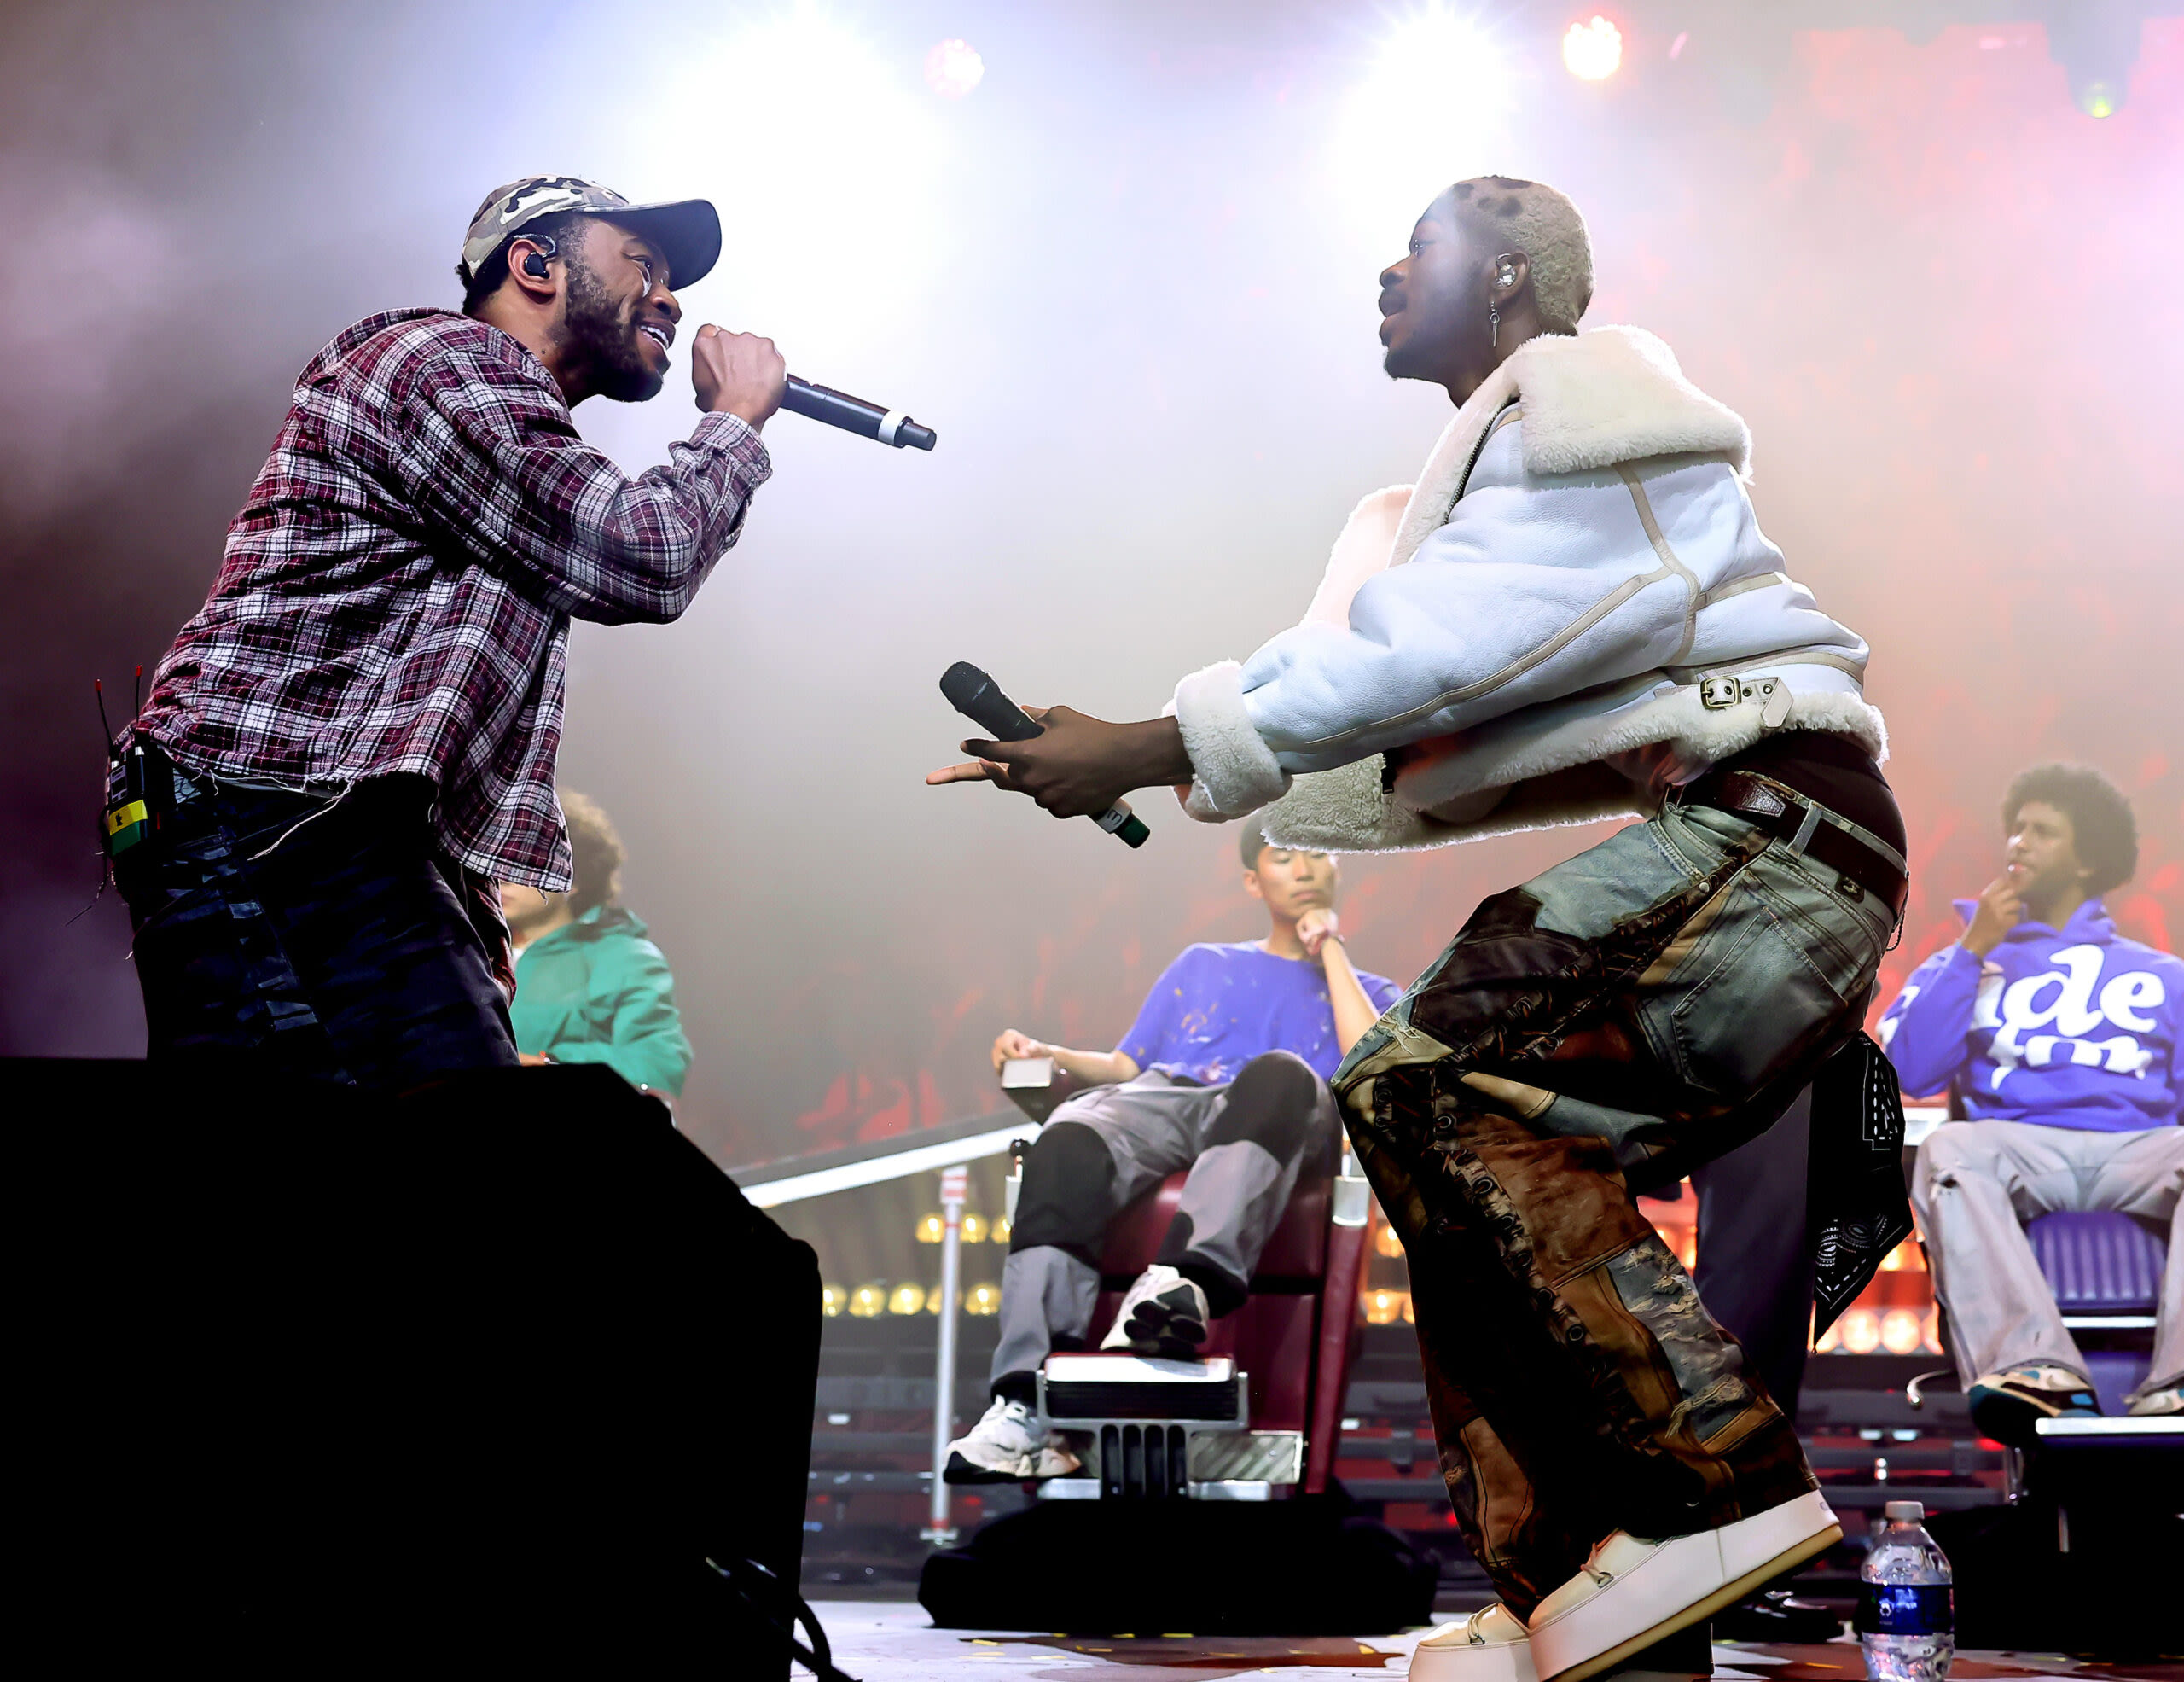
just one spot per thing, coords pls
(589, 986)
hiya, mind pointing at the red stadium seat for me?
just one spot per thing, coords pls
(1292, 1337)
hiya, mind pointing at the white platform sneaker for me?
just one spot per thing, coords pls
(1006, 1446)
(1632, 1593)
(1489, 1645)
(1164, 1314)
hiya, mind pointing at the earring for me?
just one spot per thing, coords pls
(1494, 321)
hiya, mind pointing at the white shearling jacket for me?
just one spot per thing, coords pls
(1573, 608)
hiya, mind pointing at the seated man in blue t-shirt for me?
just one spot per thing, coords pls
(1224, 1073)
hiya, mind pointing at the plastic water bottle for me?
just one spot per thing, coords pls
(1906, 1611)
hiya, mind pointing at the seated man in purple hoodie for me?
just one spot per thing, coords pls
(2060, 1037)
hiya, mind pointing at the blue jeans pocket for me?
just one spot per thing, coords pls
(1733, 1008)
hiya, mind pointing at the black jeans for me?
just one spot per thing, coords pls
(1755, 1272)
(315, 936)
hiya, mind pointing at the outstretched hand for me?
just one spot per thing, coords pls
(1076, 766)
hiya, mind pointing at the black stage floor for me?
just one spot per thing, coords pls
(889, 1641)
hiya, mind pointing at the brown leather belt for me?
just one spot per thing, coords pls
(1783, 813)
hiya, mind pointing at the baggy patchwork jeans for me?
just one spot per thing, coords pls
(1647, 1006)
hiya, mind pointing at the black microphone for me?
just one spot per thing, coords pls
(979, 699)
(854, 414)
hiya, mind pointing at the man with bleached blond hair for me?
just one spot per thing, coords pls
(1572, 615)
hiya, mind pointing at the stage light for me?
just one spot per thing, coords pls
(799, 124)
(1828, 1342)
(1385, 1240)
(953, 68)
(868, 1302)
(907, 1299)
(2097, 47)
(1430, 66)
(982, 1299)
(1000, 1230)
(974, 1229)
(931, 1229)
(1428, 111)
(1592, 51)
(1409, 1310)
(1901, 1333)
(1861, 1332)
(832, 1298)
(1384, 1307)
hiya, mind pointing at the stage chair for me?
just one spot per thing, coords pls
(1258, 1417)
(2106, 1272)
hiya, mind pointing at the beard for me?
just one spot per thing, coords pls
(605, 338)
(1436, 344)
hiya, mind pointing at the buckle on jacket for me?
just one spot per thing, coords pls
(1718, 692)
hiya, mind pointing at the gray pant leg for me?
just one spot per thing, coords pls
(2167, 1367)
(1977, 1185)
(1236, 1192)
(2141, 1174)
(1150, 1127)
(1045, 1293)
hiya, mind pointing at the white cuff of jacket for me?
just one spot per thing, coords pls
(1233, 772)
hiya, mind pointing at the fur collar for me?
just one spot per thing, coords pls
(1614, 395)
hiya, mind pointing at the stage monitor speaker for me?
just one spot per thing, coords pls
(484, 1373)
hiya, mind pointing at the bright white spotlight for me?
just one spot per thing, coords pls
(1593, 50)
(953, 68)
(1433, 66)
(1429, 110)
(803, 130)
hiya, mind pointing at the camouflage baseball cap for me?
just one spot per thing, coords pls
(687, 232)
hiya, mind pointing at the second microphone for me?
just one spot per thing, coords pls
(854, 414)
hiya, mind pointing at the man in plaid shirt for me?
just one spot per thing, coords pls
(355, 737)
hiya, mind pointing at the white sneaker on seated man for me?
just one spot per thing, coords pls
(1223, 1073)
(2060, 1036)
(1164, 1314)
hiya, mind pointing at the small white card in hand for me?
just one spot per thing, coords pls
(1016, 1072)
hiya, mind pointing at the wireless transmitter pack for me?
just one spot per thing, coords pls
(979, 699)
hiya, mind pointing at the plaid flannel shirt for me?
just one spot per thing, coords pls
(396, 594)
